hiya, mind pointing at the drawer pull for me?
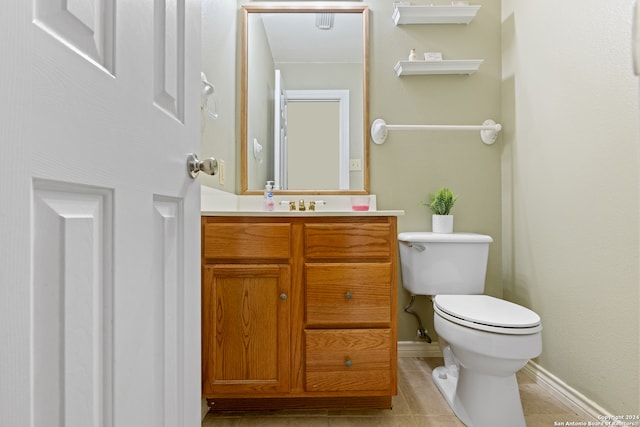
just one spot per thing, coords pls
(348, 363)
(348, 295)
(283, 296)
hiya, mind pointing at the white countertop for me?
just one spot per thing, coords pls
(302, 214)
(219, 203)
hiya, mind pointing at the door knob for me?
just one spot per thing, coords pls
(194, 165)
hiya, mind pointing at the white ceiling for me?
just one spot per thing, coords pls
(293, 37)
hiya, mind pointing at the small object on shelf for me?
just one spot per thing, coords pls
(433, 56)
(459, 3)
(413, 56)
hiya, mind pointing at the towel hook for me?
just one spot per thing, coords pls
(208, 90)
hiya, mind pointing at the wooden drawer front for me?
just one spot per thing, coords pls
(348, 294)
(246, 241)
(350, 359)
(333, 241)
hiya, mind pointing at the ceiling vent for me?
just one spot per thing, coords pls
(324, 21)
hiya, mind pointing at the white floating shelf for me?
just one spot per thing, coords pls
(446, 66)
(412, 14)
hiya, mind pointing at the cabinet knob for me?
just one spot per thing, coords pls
(348, 363)
(348, 295)
(283, 296)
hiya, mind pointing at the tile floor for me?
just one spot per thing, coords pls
(418, 404)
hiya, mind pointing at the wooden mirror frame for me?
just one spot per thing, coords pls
(303, 8)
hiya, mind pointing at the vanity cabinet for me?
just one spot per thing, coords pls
(299, 312)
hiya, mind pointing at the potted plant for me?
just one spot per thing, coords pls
(441, 203)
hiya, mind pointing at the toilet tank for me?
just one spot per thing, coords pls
(439, 264)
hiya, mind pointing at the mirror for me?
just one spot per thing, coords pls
(304, 114)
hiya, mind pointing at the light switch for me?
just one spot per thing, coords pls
(221, 172)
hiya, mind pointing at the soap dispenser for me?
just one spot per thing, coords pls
(269, 203)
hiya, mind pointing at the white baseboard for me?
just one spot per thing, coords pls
(418, 349)
(570, 397)
(575, 400)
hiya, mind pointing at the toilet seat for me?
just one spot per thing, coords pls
(487, 313)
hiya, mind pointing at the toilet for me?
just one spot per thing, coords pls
(484, 340)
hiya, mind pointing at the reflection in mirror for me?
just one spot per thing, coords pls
(304, 98)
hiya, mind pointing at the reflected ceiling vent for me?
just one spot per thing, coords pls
(324, 21)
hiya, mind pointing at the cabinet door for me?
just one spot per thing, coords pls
(246, 329)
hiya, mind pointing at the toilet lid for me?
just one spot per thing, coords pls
(487, 313)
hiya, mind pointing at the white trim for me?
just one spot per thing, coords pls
(571, 397)
(418, 349)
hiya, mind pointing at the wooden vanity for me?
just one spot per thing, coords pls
(299, 311)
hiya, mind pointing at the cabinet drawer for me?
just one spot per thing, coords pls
(347, 360)
(246, 241)
(348, 294)
(332, 241)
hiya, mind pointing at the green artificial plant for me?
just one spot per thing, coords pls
(442, 201)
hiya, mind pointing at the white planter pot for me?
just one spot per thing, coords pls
(442, 223)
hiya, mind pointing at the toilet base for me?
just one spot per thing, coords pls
(447, 385)
(483, 400)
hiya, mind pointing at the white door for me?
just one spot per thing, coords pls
(99, 221)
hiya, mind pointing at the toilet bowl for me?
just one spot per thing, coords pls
(490, 340)
(484, 340)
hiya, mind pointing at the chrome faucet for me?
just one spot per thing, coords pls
(301, 205)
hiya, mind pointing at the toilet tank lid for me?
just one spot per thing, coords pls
(429, 237)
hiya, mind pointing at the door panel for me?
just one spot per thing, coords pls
(169, 309)
(88, 27)
(72, 303)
